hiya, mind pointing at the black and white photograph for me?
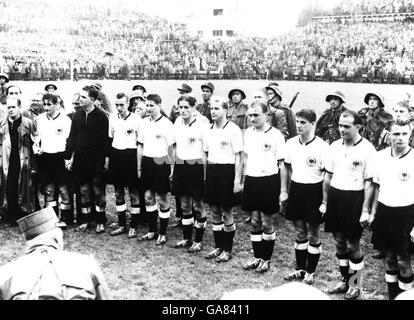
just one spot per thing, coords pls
(187, 151)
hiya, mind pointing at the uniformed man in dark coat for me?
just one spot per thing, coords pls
(327, 125)
(46, 272)
(375, 121)
(204, 108)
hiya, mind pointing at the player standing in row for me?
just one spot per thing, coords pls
(304, 161)
(53, 129)
(346, 199)
(188, 179)
(183, 90)
(393, 208)
(264, 148)
(87, 152)
(223, 147)
(155, 167)
(122, 173)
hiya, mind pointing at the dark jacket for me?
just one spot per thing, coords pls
(26, 191)
(374, 125)
(290, 119)
(88, 131)
(238, 115)
(327, 126)
(204, 109)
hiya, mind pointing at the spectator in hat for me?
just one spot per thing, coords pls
(141, 89)
(136, 99)
(17, 163)
(204, 108)
(375, 121)
(175, 110)
(237, 110)
(327, 126)
(50, 88)
(45, 271)
(3, 89)
(97, 86)
(275, 103)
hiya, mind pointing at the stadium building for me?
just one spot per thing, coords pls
(214, 19)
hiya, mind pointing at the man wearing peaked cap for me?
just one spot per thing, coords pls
(204, 108)
(327, 127)
(184, 89)
(46, 272)
(275, 103)
(237, 108)
(175, 111)
(208, 85)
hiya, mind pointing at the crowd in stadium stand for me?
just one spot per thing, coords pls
(347, 7)
(122, 43)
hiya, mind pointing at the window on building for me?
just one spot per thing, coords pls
(230, 33)
(217, 12)
(217, 33)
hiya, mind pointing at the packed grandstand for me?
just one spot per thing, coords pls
(359, 41)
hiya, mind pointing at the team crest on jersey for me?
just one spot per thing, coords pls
(159, 136)
(356, 164)
(311, 161)
(191, 140)
(266, 146)
(128, 132)
(404, 175)
(224, 144)
(59, 131)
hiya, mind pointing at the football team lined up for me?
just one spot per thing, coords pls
(347, 170)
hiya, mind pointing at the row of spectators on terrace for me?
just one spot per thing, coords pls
(351, 7)
(328, 51)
